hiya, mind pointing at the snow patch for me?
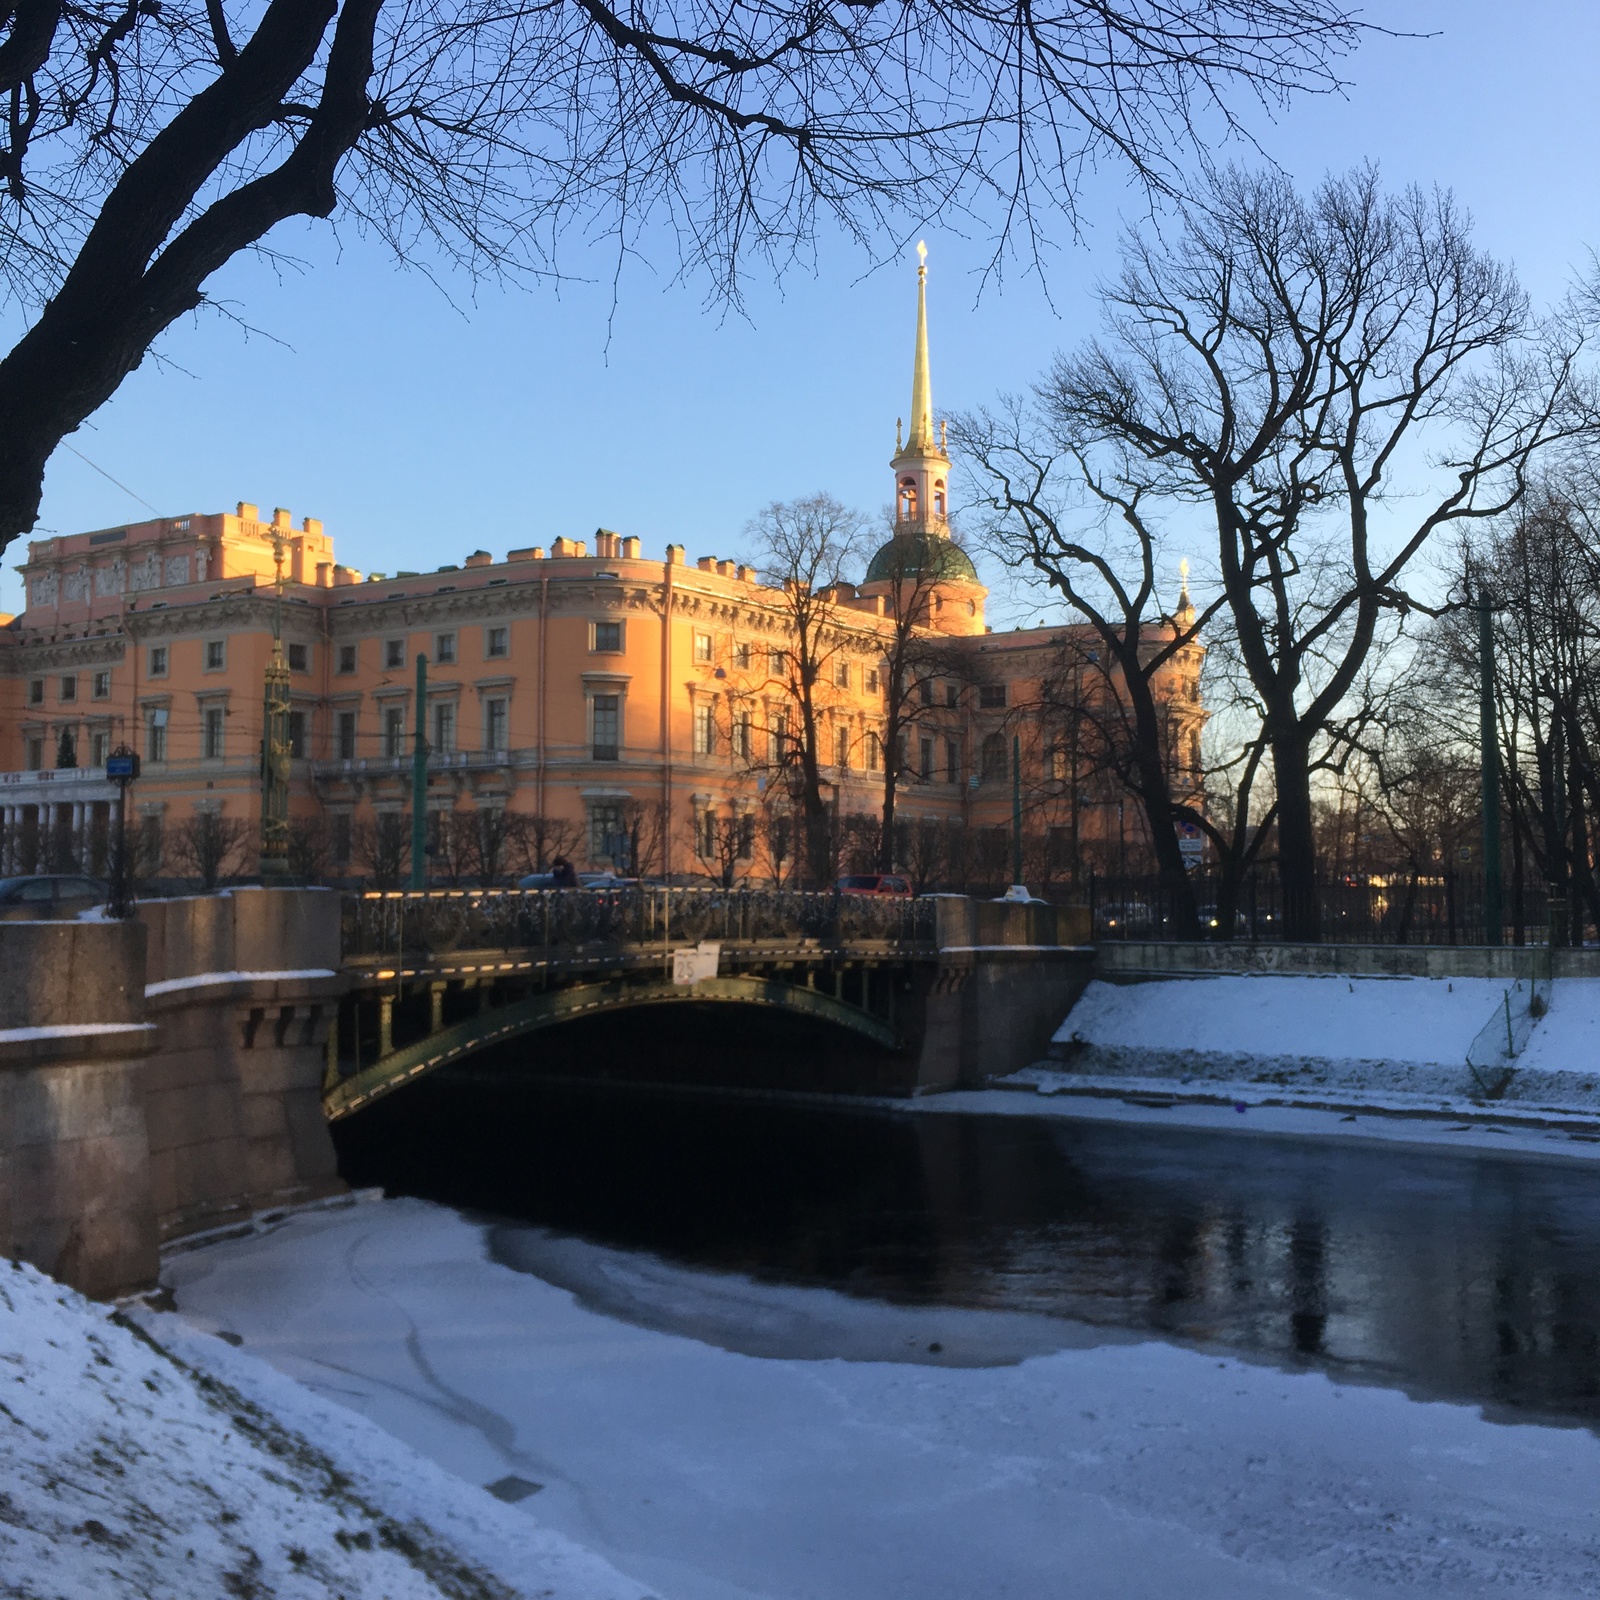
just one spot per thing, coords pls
(204, 980)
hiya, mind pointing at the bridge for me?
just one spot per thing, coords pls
(178, 1072)
(436, 976)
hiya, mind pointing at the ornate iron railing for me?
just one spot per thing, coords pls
(442, 920)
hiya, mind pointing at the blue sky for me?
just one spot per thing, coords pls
(418, 433)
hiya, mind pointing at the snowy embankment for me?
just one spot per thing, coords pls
(138, 1465)
(998, 1464)
(1403, 1044)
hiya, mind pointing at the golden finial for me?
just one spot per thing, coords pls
(944, 433)
(922, 256)
(899, 423)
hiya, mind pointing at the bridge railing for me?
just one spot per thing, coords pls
(440, 920)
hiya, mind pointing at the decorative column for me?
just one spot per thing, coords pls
(80, 836)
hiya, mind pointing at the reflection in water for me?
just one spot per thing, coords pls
(1465, 1278)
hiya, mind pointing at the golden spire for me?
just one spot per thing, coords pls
(921, 440)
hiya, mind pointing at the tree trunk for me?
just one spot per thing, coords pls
(1297, 850)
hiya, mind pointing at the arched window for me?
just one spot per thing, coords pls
(908, 499)
(938, 498)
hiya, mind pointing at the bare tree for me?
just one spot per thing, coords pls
(915, 658)
(1273, 365)
(146, 144)
(310, 850)
(208, 847)
(534, 841)
(381, 846)
(804, 548)
(1087, 533)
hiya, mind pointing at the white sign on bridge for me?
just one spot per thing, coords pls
(690, 966)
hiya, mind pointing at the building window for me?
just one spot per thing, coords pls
(341, 836)
(747, 835)
(299, 658)
(36, 692)
(925, 765)
(444, 649)
(99, 747)
(705, 730)
(938, 498)
(100, 687)
(69, 688)
(608, 834)
(741, 657)
(908, 499)
(742, 743)
(925, 691)
(496, 725)
(157, 661)
(347, 735)
(952, 761)
(394, 654)
(778, 737)
(777, 664)
(706, 833)
(67, 749)
(155, 734)
(874, 752)
(702, 648)
(211, 733)
(496, 642)
(444, 726)
(347, 659)
(1058, 763)
(1194, 752)
(35, 753)
(841, 674)
(994, 760)
(297, 735)
(608, 638)
(394, 731)
(841, 749)
(150, 843)
(872, 680)
(216, 654)
(607, 715)
(992, 697)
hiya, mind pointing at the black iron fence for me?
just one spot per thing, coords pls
(436, 920)
(1441, 908)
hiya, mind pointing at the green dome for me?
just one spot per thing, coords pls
(929, 555)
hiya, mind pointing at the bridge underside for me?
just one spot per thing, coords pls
(495, 1024)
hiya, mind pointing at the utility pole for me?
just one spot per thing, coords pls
(1488, 734)
(274, 860)
(419, 782)
(1016, 808)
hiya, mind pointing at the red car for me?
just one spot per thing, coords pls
(875, 883)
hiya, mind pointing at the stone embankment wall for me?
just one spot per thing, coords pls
(1134, 958)
(161, 1076)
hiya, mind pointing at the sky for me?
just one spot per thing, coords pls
(420, 430)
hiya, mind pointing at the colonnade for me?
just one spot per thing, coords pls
(58, 825)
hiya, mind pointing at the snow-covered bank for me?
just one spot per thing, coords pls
(138, 1465)
(1109, 1471)
(1408, 1044)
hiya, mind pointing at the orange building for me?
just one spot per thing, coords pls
(584, 698)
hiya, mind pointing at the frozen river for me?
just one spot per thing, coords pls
(1468, 1279)
(801, 1353)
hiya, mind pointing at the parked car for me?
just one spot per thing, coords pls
(1125, 919)
(49, 897)
(586, 880)
(890, 883)
(1211, 923)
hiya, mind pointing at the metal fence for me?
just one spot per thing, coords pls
(438, 920)
(1444, 908)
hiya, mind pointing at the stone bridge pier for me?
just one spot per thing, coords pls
(162, 1076)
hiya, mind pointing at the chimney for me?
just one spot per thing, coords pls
(707, 564)
(674, 555)
(479, 558)
(630, 549)
(248, 512)
(282, 519)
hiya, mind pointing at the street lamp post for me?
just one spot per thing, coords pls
(1489, 755)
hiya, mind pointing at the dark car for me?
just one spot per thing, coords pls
(49, 897)
(875, 883)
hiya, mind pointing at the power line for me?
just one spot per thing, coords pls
(107, 476)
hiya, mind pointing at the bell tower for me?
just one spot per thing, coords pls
(921, 467)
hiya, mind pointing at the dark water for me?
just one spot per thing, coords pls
(1448, 1276)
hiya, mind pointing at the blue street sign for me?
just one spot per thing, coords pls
(122, 768)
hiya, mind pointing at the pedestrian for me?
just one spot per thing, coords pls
(561, 874)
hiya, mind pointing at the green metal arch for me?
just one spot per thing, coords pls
(556, 1006)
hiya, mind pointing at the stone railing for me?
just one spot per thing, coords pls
(377, 924)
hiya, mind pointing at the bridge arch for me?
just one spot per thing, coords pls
(557, 1006)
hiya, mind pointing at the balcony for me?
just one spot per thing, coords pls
(53, 775)
(358, 768)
